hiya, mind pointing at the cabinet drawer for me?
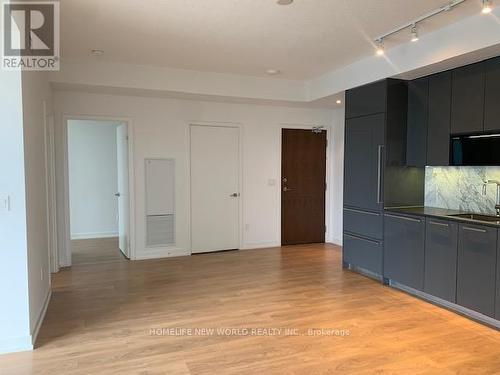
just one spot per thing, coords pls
(363, 252)
(476, 272)
(365, 223)
(441, 246)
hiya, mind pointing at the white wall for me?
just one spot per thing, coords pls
(93, 179)
(160, 130)
(14, 313)
(37, 103)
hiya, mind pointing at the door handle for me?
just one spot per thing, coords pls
(285, 189)
(117, 195)
(379, 174)
(235, 195)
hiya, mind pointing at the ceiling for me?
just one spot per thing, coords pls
(303, 40)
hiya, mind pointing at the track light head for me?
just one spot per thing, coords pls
(487, 6)
(414, 33)
(380, 47)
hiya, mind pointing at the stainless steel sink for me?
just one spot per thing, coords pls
(478, 217)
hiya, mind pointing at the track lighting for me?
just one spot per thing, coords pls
(414, 33)
(380, 47)
(487, 7)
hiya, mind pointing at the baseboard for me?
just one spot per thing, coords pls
(15, 344)
(85, 236)
(260, 245)
(334, 240)
(157, 253)
(41, 317)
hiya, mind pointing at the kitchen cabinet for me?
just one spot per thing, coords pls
(476, 272)
(467, 99)
(438, 126)
(441, 247)
(404, 241)
(492, 95)
(366, 100)
(418, 104)
(497, 299)
(363, 252)
(369, 224)
(363, 161)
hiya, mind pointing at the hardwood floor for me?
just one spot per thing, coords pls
(100, 318)
(96, 250)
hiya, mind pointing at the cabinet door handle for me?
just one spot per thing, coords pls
(361, 212)
(474, 229)
(379, 174)
(362, 239)
(404, 218)
(439, 224)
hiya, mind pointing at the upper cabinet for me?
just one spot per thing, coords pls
(467, 99)
(418, 104)
(492, 95)
(438, 131)
(366, 100)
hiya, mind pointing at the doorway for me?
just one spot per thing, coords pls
(98, 181)
(215, 188)
(303, 186)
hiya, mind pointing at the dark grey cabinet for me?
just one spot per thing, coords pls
(476, 271)
(438, 127)
(492, 95)
(363, 162)
(363, 252)
(366, 100)
(404, 241)
(467, 104)
(366, 223)
(418, 104)
(497, 299)
(441, 247)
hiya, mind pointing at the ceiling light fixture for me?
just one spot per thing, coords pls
(284, 2)
(380, 47)
(273, 72)
(414, 33)
(97, 52)
(339, 101)
(487, 7)
(412, 24)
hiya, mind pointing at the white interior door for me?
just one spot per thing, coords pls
(123, 193)
(214, 188)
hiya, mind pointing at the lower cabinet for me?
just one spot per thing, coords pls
(363, 252)
(441, 246)
(404, 241)
(476, 272)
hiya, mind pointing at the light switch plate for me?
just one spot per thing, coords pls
(4, 203)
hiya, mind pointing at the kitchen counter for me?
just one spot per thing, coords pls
(440, 213)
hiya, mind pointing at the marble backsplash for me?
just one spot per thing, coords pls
(461, 188)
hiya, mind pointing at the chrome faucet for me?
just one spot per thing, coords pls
(497, 205)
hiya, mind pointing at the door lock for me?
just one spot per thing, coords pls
(235, 195)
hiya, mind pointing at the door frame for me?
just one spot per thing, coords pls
(65, 258)
(328, 174)
(216, 124)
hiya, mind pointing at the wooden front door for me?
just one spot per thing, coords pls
(303, 185)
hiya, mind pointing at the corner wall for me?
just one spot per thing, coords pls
(37, 104)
